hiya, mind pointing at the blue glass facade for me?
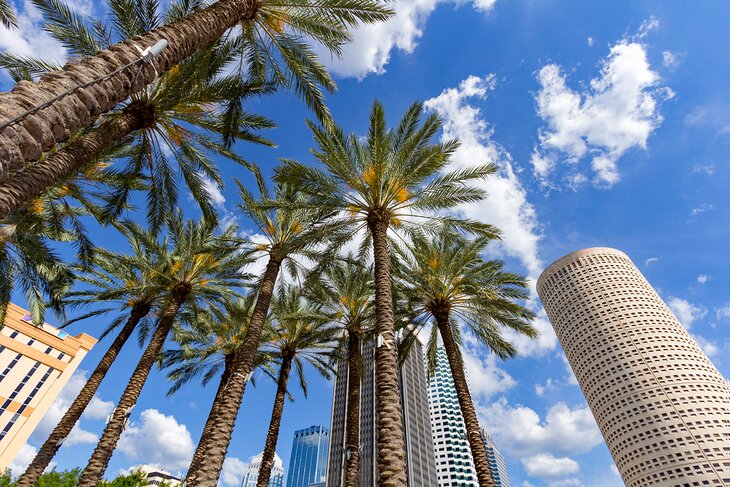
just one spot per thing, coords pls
(308, 461)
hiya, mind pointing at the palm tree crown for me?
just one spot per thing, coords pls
(392, 175)
(446, 274)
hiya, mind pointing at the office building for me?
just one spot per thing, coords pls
(496, 462)
(308, 461)
(252, 472)
(661, 405)
(420, 459)
(35, 364)
(156, 476)
(454, 463)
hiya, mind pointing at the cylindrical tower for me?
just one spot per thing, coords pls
(662, 406)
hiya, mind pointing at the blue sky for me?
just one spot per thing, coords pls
(611, 126)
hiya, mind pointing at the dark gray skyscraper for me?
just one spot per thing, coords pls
(308, 462)
(420, 459)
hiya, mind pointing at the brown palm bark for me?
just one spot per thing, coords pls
(391, 445)
(64, 164)
(208, 459)
(473, 432)
(267, 459)
(61, 118)
(61, 431)
(99, 460)
(352, 415)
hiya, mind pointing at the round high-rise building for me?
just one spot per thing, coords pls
(661, 405)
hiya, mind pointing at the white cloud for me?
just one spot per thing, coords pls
(372, 44)
(98, 409)
(485, 377)
(214, 191)
(549, 386)
(703, 278)
(590, 41)
(617, 113)
(708, 169)
(25, 455)
(711, 349)
(507, 206)
(58, 408)
(723, 312)
(233, 472)
(649, 25)
(159, 439)
(686, 312)
(546, 466)
(29, 39)
(522, 433)
(701, 209)
(670, 59)
(651, 260)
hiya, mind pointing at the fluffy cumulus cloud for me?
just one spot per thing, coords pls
(703, 278)
(157, 438)
(686, 312)
(711, 348)
(29, 39)
(97, 409)
(547, 466)
(522, 433)
(372, 45)
(723, 312)
(617, 112)
(486, 378)
(233, 472)
(507, 205)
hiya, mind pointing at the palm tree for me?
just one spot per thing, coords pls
(197, 268)
(165, 132)
(290, 233)
(123, 283)
(345, 291)
(29, 261)
(301, 334)
(274, 33)
(7, 16)
(387, 182)
(445, 279)
(209, 348)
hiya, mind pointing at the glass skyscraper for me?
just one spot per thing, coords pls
(420, 460)
(496, 462)
(252, 472)
(454, 462)
(308, 462)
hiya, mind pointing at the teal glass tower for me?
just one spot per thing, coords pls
(308, 461)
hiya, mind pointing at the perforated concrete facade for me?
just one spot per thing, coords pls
(662, 406)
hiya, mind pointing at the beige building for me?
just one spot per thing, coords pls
(661, 405)
(35, 364)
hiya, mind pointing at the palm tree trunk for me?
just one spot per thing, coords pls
(473, 432)
(208, 459)
(61, 431)
(391, 446)
(99, 460)
(352, 417)
(267, 459)
(61, 118)
(36, 179)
